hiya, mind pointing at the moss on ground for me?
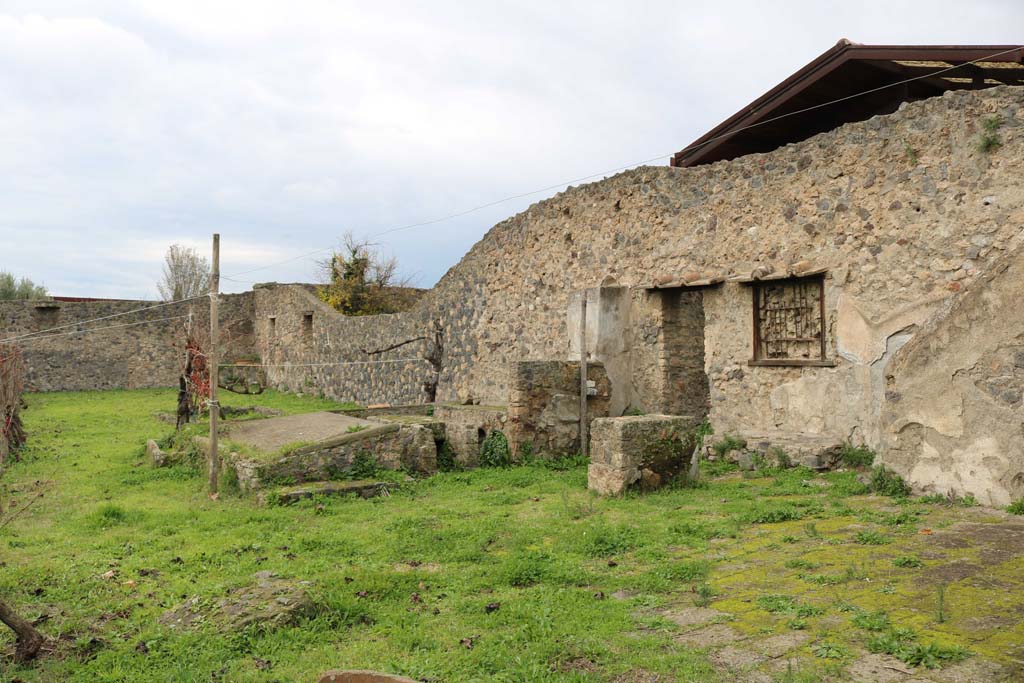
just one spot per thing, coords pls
(514, 574)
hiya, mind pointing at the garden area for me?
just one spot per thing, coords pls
(495, 574)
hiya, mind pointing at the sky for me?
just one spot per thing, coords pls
(126, 127)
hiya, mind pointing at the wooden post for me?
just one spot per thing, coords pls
(213, 360)
(584, 447)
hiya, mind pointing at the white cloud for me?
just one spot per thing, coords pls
(125, 127)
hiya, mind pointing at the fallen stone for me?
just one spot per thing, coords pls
(812, 462)
(363, 489)
(156, 456)
(270, 601)
(745, 460)
(354, 676)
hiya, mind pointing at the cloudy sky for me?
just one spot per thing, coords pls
(128, 126)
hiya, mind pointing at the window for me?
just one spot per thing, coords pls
(789, 322)
(307, 326)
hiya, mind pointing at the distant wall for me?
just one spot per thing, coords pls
(309, 347)
(131, 356)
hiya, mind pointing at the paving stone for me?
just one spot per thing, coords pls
(872, 668)
(735, 658)
(778, 645)
(694, 616)
(710, 636)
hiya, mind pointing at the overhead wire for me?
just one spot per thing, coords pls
(691, 147)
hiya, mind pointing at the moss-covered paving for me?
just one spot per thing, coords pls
(515, 574)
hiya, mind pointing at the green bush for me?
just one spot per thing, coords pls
(1016, 507)
(446, 458)
(728, 442)
(857, 456)
(887, 483)
(364, 466)
(494, 451)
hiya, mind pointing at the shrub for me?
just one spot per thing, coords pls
(857, 456)
(446, 458)
(728, 442)
(1016, 507)
(494, 451)
(364, 466)
(887, 483)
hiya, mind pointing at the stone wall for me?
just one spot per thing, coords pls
(544, 405)
(128, 356)
(309, 347)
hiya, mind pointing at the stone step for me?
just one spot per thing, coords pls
(361, 488)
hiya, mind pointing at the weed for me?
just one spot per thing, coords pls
(940, 603)
(990, 140)
(829, 650)
(728, 443)
(901, 643)
(871, 621)
(1016, 507)
(802, 564)
(352, 429)
(780, 457)
(871, 537)
(771, 514)
(887, 483)
(716, 468)
(789, 539)
(911, 154)
(494, 451)
(811, 529)
(364, 466)
(688, 570)
(796, 624)
(446, 458)
(703, 594)
(822, 579)
(602, 540)
(785, 604)
(526, 452)
(857, 457)
(633, 411)
(907, 562)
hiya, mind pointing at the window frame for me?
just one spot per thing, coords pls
(757, 358)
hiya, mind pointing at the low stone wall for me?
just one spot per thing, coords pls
(466, 427)
(392, 446)
(645, 451)
(544, 405)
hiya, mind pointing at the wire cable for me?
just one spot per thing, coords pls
(93, 320)
(689, 148)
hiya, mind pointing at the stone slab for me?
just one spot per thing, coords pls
(273, 433)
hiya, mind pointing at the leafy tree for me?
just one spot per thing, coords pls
(20, 289)
(361, 281)
(186, 274)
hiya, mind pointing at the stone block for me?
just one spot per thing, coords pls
(745, 460)
(156, 456)
(650, 449)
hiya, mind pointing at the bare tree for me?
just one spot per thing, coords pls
(186, 274)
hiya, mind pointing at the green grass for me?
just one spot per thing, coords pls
(521, 562)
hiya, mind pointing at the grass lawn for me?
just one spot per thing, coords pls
(493, 575)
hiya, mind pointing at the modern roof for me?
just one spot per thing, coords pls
(875, 78)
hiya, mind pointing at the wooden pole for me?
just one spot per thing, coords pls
(213, 359)
(584, 446)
